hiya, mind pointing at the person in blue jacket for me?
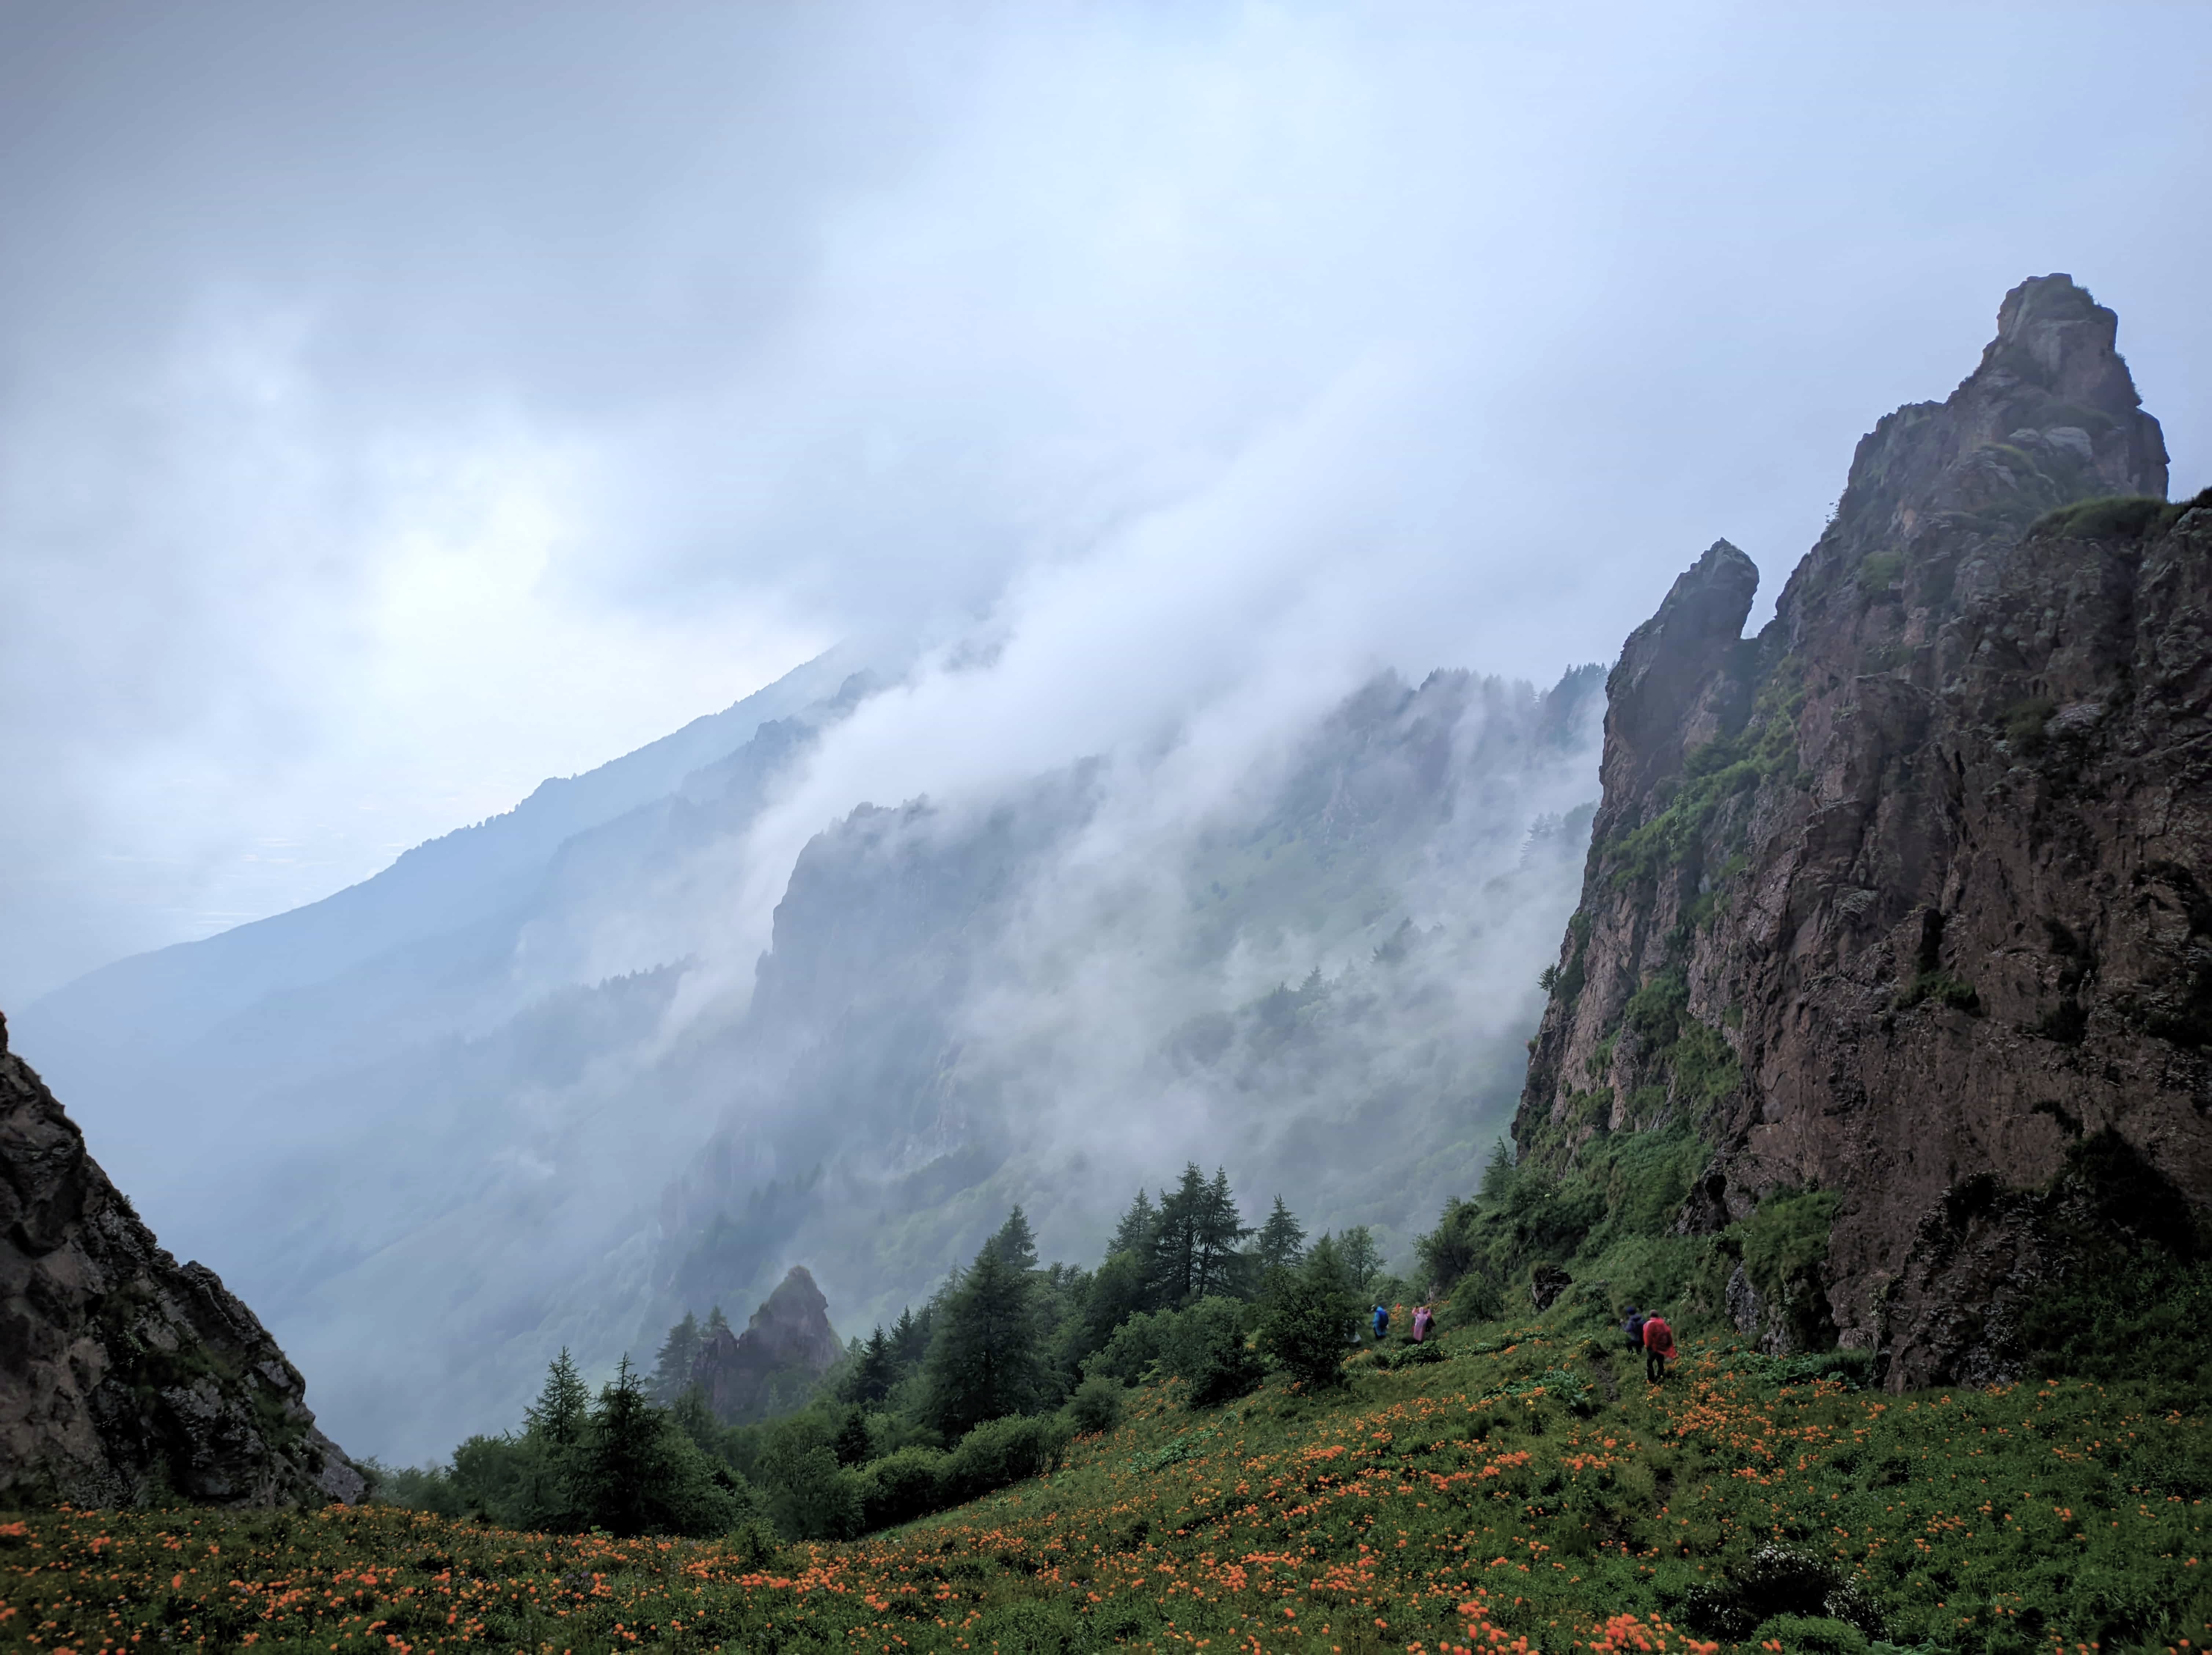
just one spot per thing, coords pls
(1381, 1321)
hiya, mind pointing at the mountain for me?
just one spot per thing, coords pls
(1903, 900)
(124, 1377)
(390, 1114)
(545, 1102)
(773, 1366)
(1321, 979)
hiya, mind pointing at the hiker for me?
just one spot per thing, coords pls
(1382, 1322)
(1658, 1345)
(1423, 1321)
(1633, 1327)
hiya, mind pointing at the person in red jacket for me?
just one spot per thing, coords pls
(1658, 1345)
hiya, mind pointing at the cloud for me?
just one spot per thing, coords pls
(398, 405)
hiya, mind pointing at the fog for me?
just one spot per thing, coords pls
(399, 407)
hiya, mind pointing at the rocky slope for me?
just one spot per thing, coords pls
(1907, 898)
(773, 1365)
(123, 1376)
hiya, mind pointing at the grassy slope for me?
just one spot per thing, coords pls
(1530, 1487)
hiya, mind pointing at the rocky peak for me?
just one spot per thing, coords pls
(124, 1377)
(1672, 689)
(2050, 414)
(769, 1368)
(1901, 900)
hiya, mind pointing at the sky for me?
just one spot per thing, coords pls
(401, 405)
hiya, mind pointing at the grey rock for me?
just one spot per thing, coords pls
(124, 1377)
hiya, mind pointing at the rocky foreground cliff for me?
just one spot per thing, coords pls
(126, 1378)
(1908, 898)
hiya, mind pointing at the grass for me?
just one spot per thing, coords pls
(1528, 1490)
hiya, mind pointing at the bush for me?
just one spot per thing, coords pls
(1096, 1405)
(1785, 1242)
(1807, 1634)
(1450, 1250)
(1203, 1346)
(902, 1486)
(811, 1496)
(1129, 1355)
(1001, 1451)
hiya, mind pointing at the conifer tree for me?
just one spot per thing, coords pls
(984, 1361)
(1118, 1292)
(563, 1403)
(1282, 1239)
(873, 1371)
(1134, 1233)
(626, 1431)
(716, 1323)
(1015, 1242)
(1309, 1316)
(910, 1337)
(1176, 1250)
(549, 1492)
(1216, 1229)
(671, 1369)
(852, 1445)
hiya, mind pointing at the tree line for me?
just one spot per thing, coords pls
(982, 1386)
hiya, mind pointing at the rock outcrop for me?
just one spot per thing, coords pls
(770, 1368)
(124, 1377)
(1909, 899)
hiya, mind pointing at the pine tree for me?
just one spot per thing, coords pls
(1309, 1317)
(1134, 1233)
(910, 1337)
(1216, 1230)
(1118, 1292)
(549, 1493)
(984, 1361)
(1282, 1239)
(1497, 1174)
(852, 1445)
(559, 1414)
(1174, 1254)
(625, 1430)
(874, 1371)
(672, 1370)
(1015, 1242)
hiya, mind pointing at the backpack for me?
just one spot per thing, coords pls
(1634, 1329)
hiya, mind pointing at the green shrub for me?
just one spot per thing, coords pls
(1942, 988)
(808, 1494)
(1809, 1635)
(1129, 1354)
(1096, 1404)
(902, 1486)
(1203, 1346)
(1002, 1452)
(1879, 572)
(2109, 517)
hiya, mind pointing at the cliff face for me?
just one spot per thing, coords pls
(123, 1376)
(1906, 899)
(771, 1366)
